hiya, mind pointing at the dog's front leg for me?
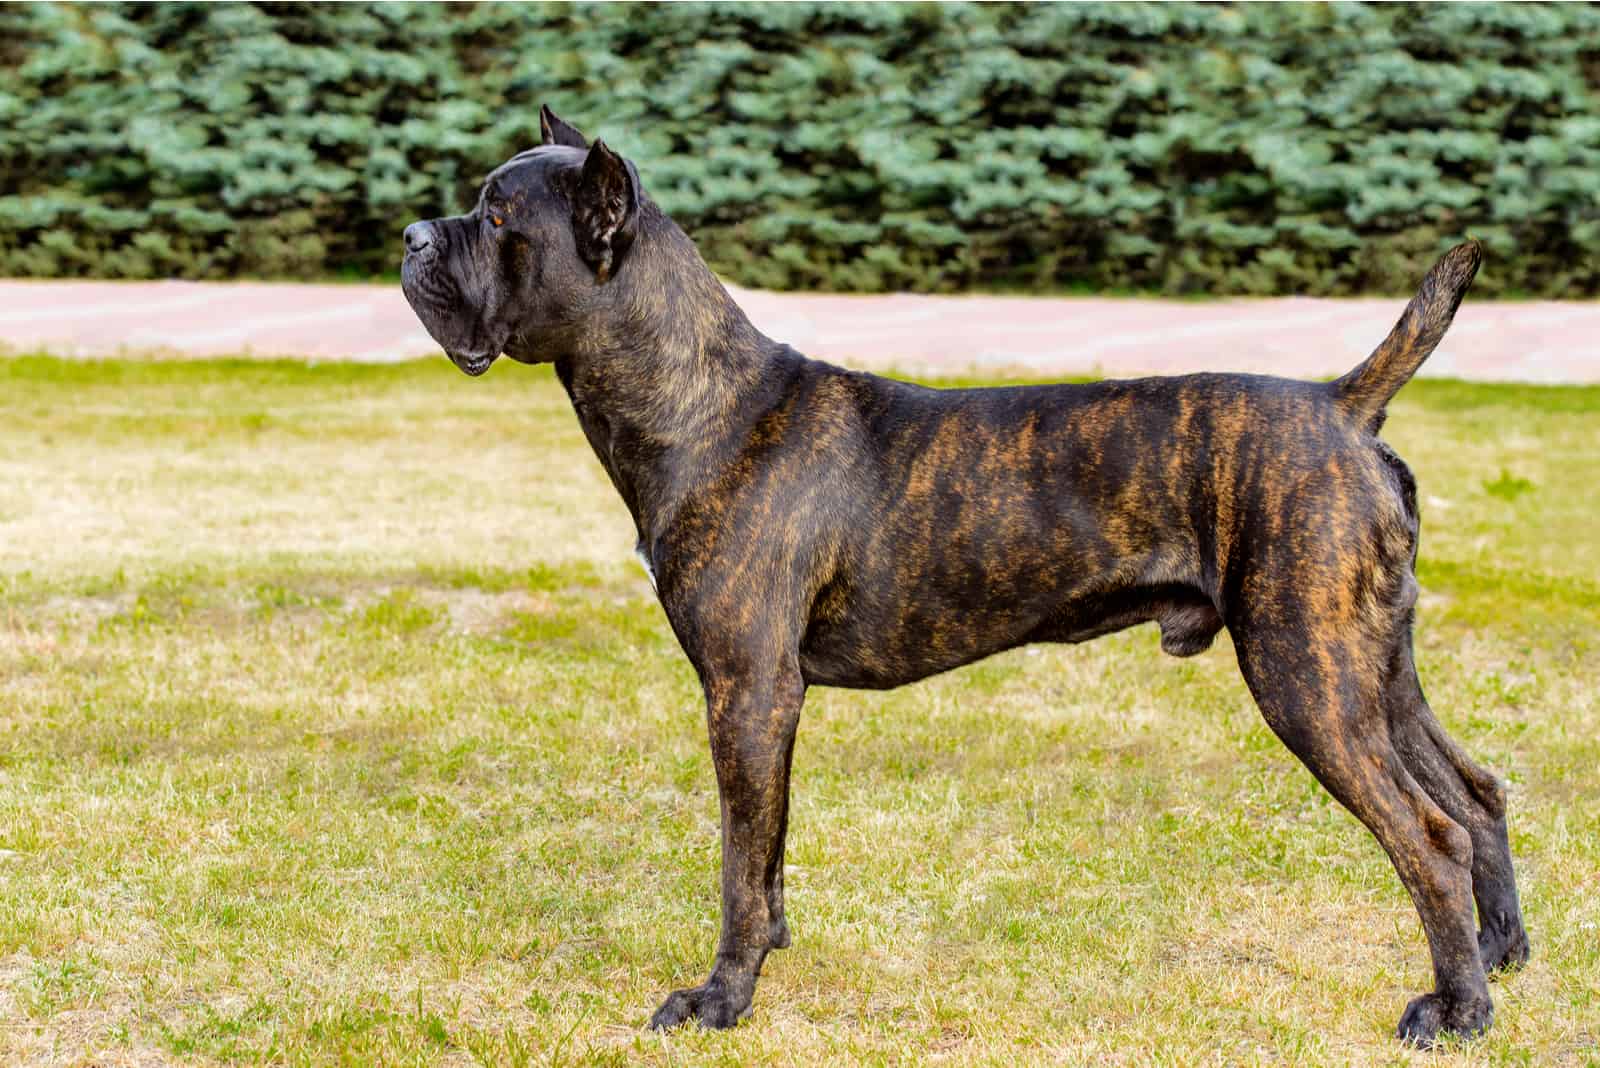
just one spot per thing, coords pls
(752, 717)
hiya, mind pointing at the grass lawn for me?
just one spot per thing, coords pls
(341, 727)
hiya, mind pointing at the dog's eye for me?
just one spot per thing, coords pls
(497, 220)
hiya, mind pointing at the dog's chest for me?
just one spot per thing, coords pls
(644, 561)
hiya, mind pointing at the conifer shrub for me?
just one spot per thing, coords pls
(1177, 148)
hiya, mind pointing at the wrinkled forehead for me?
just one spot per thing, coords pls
(530, 171)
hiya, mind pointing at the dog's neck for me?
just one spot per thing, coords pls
(671, 355)
(671, 373)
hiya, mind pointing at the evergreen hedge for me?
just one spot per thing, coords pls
(1309, 148)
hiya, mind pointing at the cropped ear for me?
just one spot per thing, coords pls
(605, 210)
(556, 131)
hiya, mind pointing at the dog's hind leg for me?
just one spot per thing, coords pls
(1473, 798)
(752, 712)
(1321, 691)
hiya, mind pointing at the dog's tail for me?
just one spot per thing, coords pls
(1367, 390)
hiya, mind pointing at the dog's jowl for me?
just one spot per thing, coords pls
(805, 525)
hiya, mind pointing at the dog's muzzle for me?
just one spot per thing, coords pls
(435, 298)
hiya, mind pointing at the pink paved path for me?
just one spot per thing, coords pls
(1529, 342)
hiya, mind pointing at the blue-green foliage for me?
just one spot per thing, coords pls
(1321, 148)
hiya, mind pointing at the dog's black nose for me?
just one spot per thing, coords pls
(419, 235)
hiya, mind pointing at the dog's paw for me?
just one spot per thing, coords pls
(1432, 1016)
(1502, 950)
(712, 1005)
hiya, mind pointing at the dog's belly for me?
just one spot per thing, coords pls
(880, 645)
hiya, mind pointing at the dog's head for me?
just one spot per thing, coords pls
(516, 275)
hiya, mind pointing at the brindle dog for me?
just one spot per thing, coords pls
(807, 525)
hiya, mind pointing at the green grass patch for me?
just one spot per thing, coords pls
(341, 727)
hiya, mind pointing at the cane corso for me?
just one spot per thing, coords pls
(808, 525)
